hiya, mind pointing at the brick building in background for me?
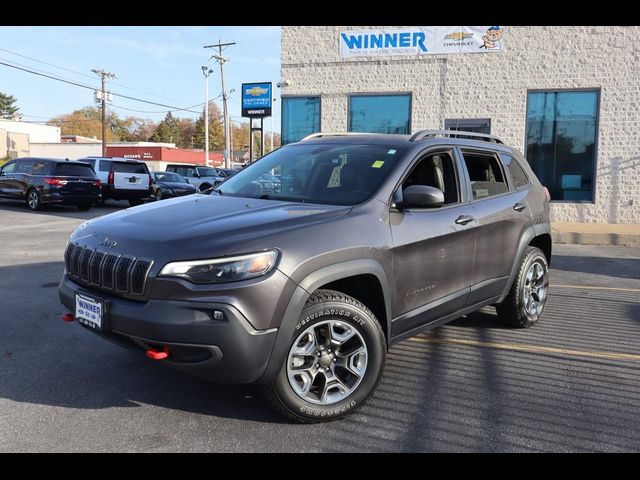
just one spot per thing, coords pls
(567, 97)
(158, 156)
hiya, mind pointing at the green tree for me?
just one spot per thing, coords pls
(7, 106)
(216, 134)
(187, 127)
(168, 130)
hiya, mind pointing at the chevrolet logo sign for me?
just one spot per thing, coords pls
(256, 91)
(458, 36)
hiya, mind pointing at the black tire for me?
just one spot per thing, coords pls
(204, 186)
(513, 310)
(159, 194)
(84, 206)
(324, 306)
(134, 202)
(33, 200)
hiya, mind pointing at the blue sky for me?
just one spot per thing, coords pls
(161, 64)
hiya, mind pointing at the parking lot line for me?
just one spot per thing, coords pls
(593, 287)
(523, 347)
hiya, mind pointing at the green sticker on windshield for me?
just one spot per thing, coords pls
(377, 164)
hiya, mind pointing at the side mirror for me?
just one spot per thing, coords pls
(1, 173)
(187, 180)
(421, 196)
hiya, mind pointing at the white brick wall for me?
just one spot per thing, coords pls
(495, 86)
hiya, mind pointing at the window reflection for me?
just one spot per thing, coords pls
(561, 136)
(379, 113)
(300, 117)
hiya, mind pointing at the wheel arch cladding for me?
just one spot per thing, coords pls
(344, 274)
(535, 236)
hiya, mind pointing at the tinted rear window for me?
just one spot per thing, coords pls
(73, 170)
(130, 167)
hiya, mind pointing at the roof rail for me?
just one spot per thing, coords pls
(421, 135)
(333, 134)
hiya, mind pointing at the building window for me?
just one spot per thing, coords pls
(300, 117)
(380, 113)
(477, 125)
(561, 141)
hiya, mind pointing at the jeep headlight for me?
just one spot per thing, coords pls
(220, 270)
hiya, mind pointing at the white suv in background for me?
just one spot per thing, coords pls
(122, 178)
(200, 177)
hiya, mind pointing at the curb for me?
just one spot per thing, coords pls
(592, 238)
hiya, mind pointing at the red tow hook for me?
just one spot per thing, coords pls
(68, 317)
(154, 354)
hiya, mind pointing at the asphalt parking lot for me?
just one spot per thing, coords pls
(572, 383)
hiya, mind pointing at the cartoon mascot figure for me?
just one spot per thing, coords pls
(493, 38)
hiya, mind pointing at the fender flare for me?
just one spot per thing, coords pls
(529, 234)
(301, 294)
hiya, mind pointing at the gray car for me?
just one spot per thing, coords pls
(371, 239)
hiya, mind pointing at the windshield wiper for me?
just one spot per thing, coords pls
(268, 196)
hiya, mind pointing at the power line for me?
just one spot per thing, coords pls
(83, 74)
(93, 88)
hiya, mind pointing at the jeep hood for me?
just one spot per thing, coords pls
(198, 226)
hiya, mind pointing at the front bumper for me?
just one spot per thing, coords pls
(227, 351)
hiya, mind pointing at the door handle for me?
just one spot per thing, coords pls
(518, 207)
(464, 219)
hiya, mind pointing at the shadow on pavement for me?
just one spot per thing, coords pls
(613, 267)
(44, 360)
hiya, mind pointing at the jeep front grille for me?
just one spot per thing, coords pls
(107, 271)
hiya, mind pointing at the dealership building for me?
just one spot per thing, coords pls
(567, 97)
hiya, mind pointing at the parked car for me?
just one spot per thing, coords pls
(122, 178)
(373, 239)
(169, 184)
(44, 181)
(203, 178)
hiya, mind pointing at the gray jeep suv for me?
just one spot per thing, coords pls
(370, 239)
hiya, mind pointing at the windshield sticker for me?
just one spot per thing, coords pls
(391, 152)
(377, 164)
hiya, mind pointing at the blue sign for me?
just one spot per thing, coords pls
(256, 99)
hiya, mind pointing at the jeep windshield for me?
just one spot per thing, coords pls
(336, 174)
(207, 172)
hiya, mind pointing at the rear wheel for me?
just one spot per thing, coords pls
(33, 200)
(528, 295)
(135, 202)
(84, 206)
(335, 360)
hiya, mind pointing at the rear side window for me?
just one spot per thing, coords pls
(485, 174)
(518, 174)
(73, 170)
(24, 165)
(41, 167)
(105, 165)
(130, 167)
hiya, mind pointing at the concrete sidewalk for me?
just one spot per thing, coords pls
(596, 233)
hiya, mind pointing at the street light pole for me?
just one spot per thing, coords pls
(206, 71)
(271, 149)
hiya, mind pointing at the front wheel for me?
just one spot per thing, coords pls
(528, 295)
(135, 202)
(84, 206)
(335, 360)
(159, 194)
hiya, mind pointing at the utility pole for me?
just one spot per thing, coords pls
(103, 76)
(206, 71)
(227, 135)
